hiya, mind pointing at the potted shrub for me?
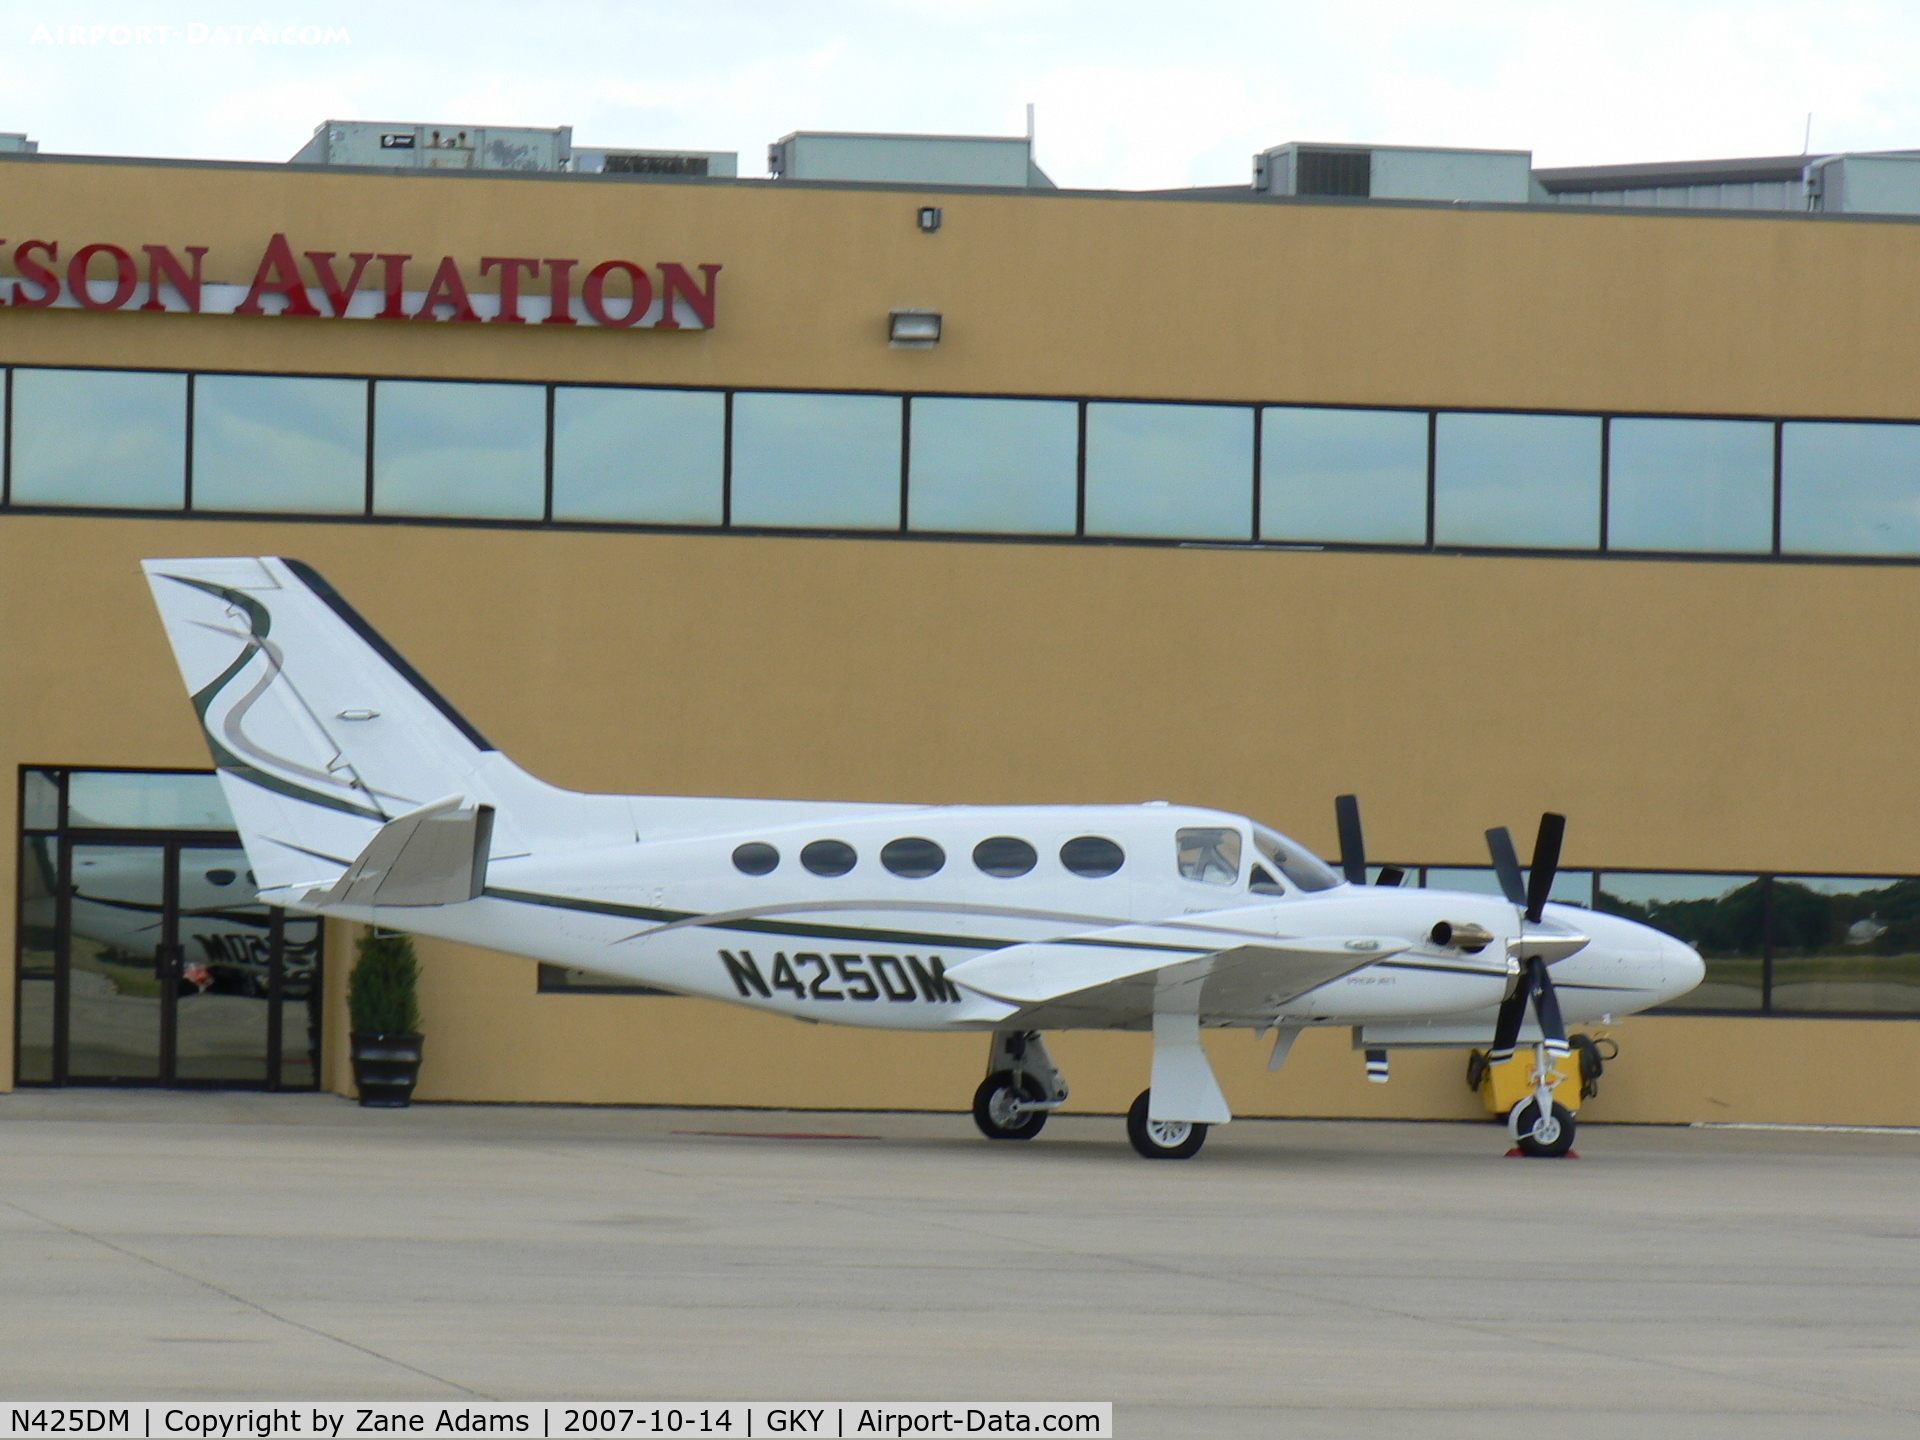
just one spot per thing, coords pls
(384, 1014)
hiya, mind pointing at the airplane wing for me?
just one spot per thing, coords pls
(1110, 978)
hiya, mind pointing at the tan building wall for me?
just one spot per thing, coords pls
(1685, 715)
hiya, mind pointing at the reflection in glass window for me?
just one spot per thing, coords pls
(1721, 916)
(998, 467)
(823, 462)
(1005, 856)
(40, 800)
(1209, 854)
(1300, 866)
(302, 1001)
(651, 456)
(444, 447)
(1850, 489)
(1182, 471)
(1690, 485)
(39, 883)
(1848, 946)
(1343, 475)
(913, 857)
(755, 858)
(1093, 856)
(100, 437)
(279, 442)
(1520, 480)
(828, 857)
(136, 800)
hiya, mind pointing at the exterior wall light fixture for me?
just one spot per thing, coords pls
(913, 329)
(929, 218)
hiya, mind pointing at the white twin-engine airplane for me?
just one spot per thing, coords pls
(360, 792)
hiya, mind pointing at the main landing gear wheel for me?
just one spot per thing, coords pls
(1163, 1139)
(1547, 1139)
(994, 1112)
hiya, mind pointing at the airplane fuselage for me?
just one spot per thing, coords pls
(872, 946)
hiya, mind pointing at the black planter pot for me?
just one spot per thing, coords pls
(385, 1068)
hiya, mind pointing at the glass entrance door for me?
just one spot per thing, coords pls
(144, 958)
(117, 962)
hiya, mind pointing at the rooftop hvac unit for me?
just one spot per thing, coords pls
(1395, 172)
(437, 147)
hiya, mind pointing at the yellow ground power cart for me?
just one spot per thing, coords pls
(1505, 1086)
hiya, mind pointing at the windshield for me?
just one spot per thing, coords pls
(1304, 870)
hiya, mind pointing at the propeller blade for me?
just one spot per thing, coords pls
(1513, 1009)
(1390, 875)
(1546, 1006)
(1546, 861)
(1506, 865)
(1353, 846)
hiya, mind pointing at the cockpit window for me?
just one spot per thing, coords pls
(1208, 854)
(1261, 883)
(1304, 870)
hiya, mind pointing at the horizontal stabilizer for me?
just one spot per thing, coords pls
(436, 855)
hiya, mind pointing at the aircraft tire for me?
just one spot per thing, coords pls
(1165, 1139)
(990, 1098)
(1553, 1148)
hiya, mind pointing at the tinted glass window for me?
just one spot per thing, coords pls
(99, 437)
(828, 462)
(1846, 946)
(1005, 856)
(134, 801)
(913, 857)
(39, 800)
(1521, 480)
(1721, 916)
(1093, 856)
(1690, 485)
(1343, 475)
(1184, 471)
(1261, 883)
(754, 858)
(447, 448)
(1850, 489)
(996, 466)
(642, 455)
(38, 933)
(828, 857)
(1298, 865)
(1209, 854)
(277, 442)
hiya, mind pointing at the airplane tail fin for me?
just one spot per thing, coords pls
(323, 736)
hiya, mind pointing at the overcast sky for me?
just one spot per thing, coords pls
(1129, 94)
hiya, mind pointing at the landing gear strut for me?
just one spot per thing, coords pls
(1021, 1089)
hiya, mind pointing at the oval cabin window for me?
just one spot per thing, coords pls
(913, 857)
(1093, 856)
(828, 857)
(1006, 856)
(754, 858)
